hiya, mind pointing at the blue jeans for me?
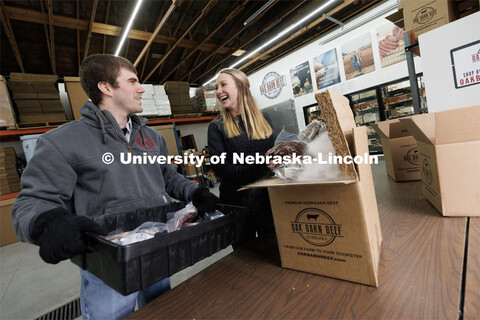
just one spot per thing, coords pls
(100, 302)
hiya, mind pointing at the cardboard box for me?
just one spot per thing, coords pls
(330, 228)
(168, 132)
(7, 115)
(76, 95)
(449, 149)
(7, 234)
(399, 149)
(421, 16)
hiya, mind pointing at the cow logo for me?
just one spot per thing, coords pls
(316, 227)
(272, 85)
(412, 156)
(147, 142)
(427, 171)
(425, 15)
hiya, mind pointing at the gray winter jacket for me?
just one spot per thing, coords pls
(67, 171)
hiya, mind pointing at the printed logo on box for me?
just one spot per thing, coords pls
(427, 171)
(412, 156)
(425, 15)
(316, 227)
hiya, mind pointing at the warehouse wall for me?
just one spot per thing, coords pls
(308, 52)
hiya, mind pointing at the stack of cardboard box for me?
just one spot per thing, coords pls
(9, 180)
(7, 116)
(36, 97)
(179, 97)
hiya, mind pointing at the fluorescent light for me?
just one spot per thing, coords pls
(281, 34)
(265, 6)
(129, 25)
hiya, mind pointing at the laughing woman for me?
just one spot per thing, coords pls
(241, 129)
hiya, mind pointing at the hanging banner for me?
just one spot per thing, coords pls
(391, 46)
(301, 79)
(326, 69)
(358, 56)
(466, 64)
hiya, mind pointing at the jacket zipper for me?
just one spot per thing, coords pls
(122, 138)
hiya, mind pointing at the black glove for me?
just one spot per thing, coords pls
(261, 171)
(204, 200)
(59, 234)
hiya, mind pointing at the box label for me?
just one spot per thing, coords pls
(316, 227)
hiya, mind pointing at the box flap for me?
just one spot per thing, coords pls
(457, 125)
(397, 18)
(276, 182)
(398, 130)
(382, 129)
(421, 126)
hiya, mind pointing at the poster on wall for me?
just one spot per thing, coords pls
(326, 69)
(466, 64)
(357, 56)
(390, 44)
(301, 79)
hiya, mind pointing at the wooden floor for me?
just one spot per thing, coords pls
(421, 273)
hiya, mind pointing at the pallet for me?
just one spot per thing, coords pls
(157, 117)
(40, 124)
(187, 115)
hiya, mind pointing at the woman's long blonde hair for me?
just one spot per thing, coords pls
(256, 127)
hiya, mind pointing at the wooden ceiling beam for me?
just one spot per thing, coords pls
(224, 43)
(90, 27)
(204, 12)
(298, 33)
(313, 37)
(160, 25)
(232, 14)
(102, 28)
(106, 22)
(47, 38)
(11, 37)
(271, 25)
(52, 37)
(77, 12)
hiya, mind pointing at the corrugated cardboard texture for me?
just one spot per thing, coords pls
(168, 133)
(76, 95)
(330, 229)
(399, 149)
(450, 160)
(7, 234)
(421, 16)
(339, 122)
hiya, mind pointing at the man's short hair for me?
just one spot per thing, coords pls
(101, 67)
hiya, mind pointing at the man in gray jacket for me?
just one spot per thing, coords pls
(76, 174)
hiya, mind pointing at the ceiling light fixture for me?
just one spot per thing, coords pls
(278, 36)
(265, 6)
(129, 25)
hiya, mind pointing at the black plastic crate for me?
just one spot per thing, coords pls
(136, 266)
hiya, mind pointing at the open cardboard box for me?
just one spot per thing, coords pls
(330, 228)
(449, 149)
(399, 149)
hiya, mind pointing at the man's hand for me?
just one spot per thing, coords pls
(59, 234)
(204, 200)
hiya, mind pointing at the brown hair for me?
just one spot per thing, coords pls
(101, 67)
(256, 127)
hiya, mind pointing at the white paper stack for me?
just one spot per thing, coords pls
(161, 101)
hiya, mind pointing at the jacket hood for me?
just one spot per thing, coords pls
(104, 119)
